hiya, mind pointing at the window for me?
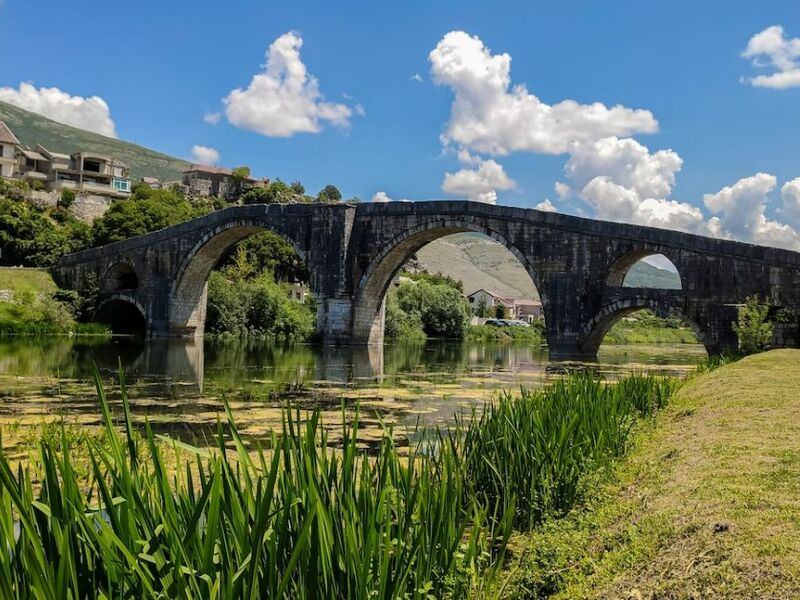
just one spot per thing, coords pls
(122, 185)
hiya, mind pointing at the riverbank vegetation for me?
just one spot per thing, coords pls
(245, 298)
(31, 305)
(645, 327)
(302, 520)
(704, 506)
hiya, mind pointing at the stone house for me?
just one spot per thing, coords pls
(204, 180)
(521, 309)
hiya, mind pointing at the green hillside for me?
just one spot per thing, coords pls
(32, 128)
(479, 262)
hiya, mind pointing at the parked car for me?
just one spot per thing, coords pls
(496, 322)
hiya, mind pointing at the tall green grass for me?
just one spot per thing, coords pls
(299, 520)
(530, 453)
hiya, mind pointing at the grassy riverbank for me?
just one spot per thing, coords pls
(154, 518)
(705, 506)
(28, 306)
(644, 327)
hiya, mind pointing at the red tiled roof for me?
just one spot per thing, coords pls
(208, 169)
(6, 135)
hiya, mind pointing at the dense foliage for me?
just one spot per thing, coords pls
(753, 326)
(32, 237)
(438, 309)
(255, 307)
(155, 519)
(645, 327)
(145, 211)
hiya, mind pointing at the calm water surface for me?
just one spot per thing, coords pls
(177, 385)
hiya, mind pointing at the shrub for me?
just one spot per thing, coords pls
(258, 307)
(442, 310)
(753, 326)
(67, 199)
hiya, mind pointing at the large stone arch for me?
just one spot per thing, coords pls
(187, 308)
(621, 265)
(131, 302)
(370, 290)
(599, 325)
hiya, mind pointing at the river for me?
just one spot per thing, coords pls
(178, 385)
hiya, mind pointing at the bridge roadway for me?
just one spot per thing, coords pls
(353, 252)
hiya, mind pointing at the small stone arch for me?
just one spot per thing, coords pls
(596, 329)
(120, 276)
(123, 313)
(622, 266)
(376, 278)
(187, 310)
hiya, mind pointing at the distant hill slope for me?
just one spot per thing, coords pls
(479, 262)
(32, 128)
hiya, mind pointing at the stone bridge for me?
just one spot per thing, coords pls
(354, 251)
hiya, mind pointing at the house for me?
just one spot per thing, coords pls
(490, 300)
(152, 182)
(203, 180)
(53, 171)
(524, 310)
(8, 145)
(528, 310)
(299, 292)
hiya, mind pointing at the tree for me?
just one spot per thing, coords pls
(298, 188)
(147, 210)
(67, 198)
(241, 173)
(482, 309)
(330, 193)
(276, 193)
(442, 309)
(753, 326)
(500, 311)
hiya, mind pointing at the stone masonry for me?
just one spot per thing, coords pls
(354, 251)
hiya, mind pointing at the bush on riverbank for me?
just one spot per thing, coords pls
(426, 308)
(644, 327)
(257, 307)
(301, 520)
(534, 334)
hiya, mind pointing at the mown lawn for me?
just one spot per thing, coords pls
(706, 506)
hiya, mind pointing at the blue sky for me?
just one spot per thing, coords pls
(161, 66)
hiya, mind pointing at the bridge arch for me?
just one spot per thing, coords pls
(123, 313)
(370, 292)
(120, 276)
(622, 266)
(596, 329)
(187, 309)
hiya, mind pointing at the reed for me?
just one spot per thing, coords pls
(531, 452)
(300, 520)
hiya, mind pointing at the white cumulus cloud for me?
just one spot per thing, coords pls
(740, 213)
(546, 206)
(91, 113)
(490, 115)
(381, 197)
(212, 118)
(480, 183)
(790, 194)
(284, 99)
(204, 155)
(772, 48)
